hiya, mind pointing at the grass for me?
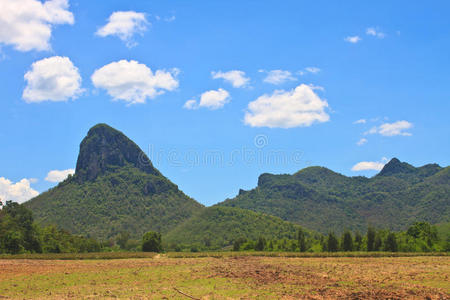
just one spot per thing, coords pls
(80, 256)
(220, 254)
(228, 276)
(216, 254)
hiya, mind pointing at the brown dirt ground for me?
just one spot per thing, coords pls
(246, 277)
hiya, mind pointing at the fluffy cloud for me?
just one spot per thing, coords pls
(369, 165)
(287, 109)
(353, 39)
(373, 32)
(52, 79)
(362, 142)
(360, 121)
(190, 104)
(392, 129)
(133, 82)
(59, 175)
(278, 77)
(27, 24)
(214, 99)
(20, 191)
(124, 25)
(235, 77)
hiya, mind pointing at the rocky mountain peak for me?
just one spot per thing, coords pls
(104, 149)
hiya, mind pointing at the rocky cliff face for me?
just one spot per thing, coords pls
(104, 149)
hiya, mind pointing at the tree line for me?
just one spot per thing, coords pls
(20, 234)
(420, 237)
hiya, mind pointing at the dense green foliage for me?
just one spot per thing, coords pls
(18, 234)
(115, 189)
(217, 227)
(127, 200)
(323, 200)
(420, 237)
(151, 242)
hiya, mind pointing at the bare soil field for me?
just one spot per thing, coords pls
(248, 277)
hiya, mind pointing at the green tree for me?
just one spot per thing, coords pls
(238, 243)
(347, 244)
(151, 242)
(378, 243)
(301, 240)
(332, 243)
(261, 244)
(391, 243)
(358, 241)
(17, 231)
(122, 239)
(371, 233)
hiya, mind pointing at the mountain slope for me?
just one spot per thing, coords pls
(115, 188)
(219, 226)
(323, 200)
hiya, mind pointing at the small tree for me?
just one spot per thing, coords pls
(358, 241)
(391, 243)
(378, 243)
(301, 240)
(347, 244)
(151, 242)
(122, 239)
(238, 243)
(261, 244)
(333, 243)
(371, 239)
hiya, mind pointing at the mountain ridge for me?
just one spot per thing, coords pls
(324, 200)
(116, 188)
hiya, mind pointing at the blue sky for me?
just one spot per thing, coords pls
(303, 74)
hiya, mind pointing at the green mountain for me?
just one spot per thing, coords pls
(323, 200)
(115, 188)
(219, 226)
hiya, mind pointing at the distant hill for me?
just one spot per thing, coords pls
(220, 226)
(323, 200)
(115, 188)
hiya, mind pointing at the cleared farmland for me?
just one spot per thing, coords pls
(228, 277)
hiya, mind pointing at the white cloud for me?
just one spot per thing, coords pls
(20, 191)
(124, 25)
(214, 99)
(133, 82)
(59, 175)
(27, 24)
(360, 121)
(353, 39)
(370, 165)
(392, 129)
(373, 32)
(52, 79)
(362, 141)
(313, 70)
(190, 104)
(287, 109)
(235, 77)
(279, 77)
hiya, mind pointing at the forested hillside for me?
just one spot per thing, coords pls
(217, 227)
(115, 188)
(323, 200)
